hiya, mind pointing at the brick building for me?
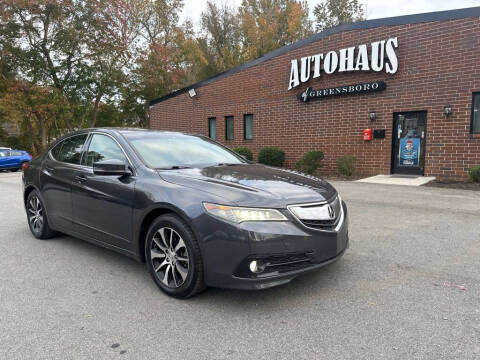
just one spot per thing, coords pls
(414, 81)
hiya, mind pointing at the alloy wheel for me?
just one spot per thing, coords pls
(35, 214)
(169, 257)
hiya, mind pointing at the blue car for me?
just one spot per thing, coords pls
(13, 160)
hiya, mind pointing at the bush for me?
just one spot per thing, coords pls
(475, 173)
(273, 156)
(346, 165)
(244, 151)
(310, 162)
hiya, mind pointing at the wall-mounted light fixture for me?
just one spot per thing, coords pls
(373, 115)
(192, 92)
(447, 110)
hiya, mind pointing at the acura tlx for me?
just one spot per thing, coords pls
(197, 213)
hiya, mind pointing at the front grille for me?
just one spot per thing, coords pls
(315, 216)
(321, 224)
(275, 264)
(282, 259)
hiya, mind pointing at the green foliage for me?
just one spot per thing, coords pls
(244, 151)
(474, 173)
(330, 13)
(272, 156)
(270, 24)
(222, 44)
(346, 165)
(310, 162)
(67, 64)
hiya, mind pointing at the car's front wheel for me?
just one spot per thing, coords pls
(173, 257)
(37, 217)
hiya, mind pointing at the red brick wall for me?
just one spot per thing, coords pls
(438, 65)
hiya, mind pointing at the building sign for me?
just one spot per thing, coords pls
(310, 94)
(378, 56)
(409, 151)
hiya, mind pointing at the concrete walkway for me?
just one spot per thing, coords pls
(407, 180)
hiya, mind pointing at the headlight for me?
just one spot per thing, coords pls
(241, 214)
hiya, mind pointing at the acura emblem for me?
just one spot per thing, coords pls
(331, 212)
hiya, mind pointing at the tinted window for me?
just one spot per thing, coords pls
(103, 147)
(16, 153)
(229, 128)
(212, 128)
(248, 126)
(71, 150)
(476, 114)
(164, 150)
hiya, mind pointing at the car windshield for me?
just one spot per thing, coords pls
(173, 150)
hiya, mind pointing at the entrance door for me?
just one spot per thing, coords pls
(408, 150)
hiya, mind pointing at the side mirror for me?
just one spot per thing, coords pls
(112, 167)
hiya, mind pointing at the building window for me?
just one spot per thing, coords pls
(248, 127)
(212, 128)
(229, 129)
(476, 113)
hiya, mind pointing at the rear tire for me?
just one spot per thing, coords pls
(14, 170)
(37, 217)
(173, 257)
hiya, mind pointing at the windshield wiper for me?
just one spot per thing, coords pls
(174, 167)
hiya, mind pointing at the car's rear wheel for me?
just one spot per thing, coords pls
(173, 257)
(14, 170)
(37, 217)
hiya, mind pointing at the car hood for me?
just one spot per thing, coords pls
(253, 184)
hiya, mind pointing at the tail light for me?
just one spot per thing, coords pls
(24, 166)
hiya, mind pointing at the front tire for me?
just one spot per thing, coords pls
(173, 257)
(37, 217)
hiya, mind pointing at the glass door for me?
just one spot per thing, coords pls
(408, 150)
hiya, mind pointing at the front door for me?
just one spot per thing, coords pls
(103, 205)
(408, 150)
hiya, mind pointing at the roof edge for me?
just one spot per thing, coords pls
(360, 25)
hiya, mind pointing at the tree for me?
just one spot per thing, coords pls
(270, 24)
(46, 39)
(162, 59)
(222, 36)
(36, 109)
(331, 13)
(109, 46)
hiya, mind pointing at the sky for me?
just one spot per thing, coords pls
(375, 8)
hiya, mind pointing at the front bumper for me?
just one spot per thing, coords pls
(290, 248)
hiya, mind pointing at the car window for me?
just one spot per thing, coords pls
(103, 147)
(71, 149)
(16, 153)
(54, 152)
(4, 153)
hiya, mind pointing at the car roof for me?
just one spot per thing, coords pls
(117, 130)
(125, 130)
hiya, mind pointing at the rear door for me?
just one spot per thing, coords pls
(103, 205)
(56, 178)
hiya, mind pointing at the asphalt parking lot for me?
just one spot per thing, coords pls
(408, 288)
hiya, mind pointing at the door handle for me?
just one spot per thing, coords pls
(80, 178)
(49, 169)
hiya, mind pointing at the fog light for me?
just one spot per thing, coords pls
(256, 267)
